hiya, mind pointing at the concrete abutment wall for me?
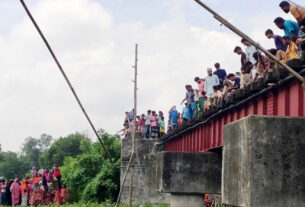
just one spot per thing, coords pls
(147, 154)
(262, 164)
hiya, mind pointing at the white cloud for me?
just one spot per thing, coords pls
(97, 54)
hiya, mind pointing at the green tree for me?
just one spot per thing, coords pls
(63, 147)
(90, 177)
(33, 148)
(13, 166)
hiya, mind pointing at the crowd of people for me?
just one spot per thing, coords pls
(218, 85)
(42, 187)
(151, 124)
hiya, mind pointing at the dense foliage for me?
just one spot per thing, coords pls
(86, 172)
(63, 147)
(90, 176)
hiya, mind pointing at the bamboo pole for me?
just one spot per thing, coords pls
(124, 179)
(255, 44)
(44, 39)
(131, 188)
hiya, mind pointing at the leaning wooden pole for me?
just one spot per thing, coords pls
(124, 179)
(131, 188)
(255, 44)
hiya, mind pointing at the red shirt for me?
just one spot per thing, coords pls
(56, 172)
(63, 193)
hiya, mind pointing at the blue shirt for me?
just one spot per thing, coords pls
(174, 116)
(221, 73)
(186, 113)
(237, 82)
(131, 116)
(279, 43)
(189, 97)
(290, 26)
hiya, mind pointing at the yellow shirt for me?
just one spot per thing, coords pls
(298, 12)
(292, 51)
(245, 79)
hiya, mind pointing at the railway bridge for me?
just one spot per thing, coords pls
(249, 150)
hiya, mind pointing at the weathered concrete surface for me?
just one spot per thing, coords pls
(147, 153)
(189, 172)
(178, 200)
(264, 162)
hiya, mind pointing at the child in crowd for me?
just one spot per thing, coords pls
(57, 197)
(169, 127)
(159, 118)
(147, 125)
(173, 114)
(154, 125)
(185, 113)
(180, 120)
(246, 75)
(63, 195)
(140, 123)
(143, 125)
(36, 194)
(207, 103)
(50, 192)
(195, 103)
(200, 92)
(217, 92)
(262, 65)
(162, 127)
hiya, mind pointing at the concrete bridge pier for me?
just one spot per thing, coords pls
(187, 176)
(147, 154)
(264, 162)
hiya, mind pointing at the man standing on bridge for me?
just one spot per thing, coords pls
(221, 73)
(277, 40)
(297, 11)
(210, 81)
(243, 57)
(291, 28)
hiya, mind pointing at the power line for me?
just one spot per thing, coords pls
(67, 80)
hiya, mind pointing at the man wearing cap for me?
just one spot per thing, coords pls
(210, 81)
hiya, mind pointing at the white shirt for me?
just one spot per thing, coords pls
(250, 50)
(210, 82)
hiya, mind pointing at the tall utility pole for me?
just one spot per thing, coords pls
(134, 152)
(135, 98)
(134, 121)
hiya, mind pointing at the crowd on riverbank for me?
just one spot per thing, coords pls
(42, 187)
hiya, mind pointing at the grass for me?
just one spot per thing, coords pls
(105, 205)
(113, 205)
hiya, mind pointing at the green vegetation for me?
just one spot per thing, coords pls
(90, 176)
(104, 205)
(86, 172)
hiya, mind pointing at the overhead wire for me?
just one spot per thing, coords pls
(67, 80)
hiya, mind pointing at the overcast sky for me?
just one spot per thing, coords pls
(94, 40)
